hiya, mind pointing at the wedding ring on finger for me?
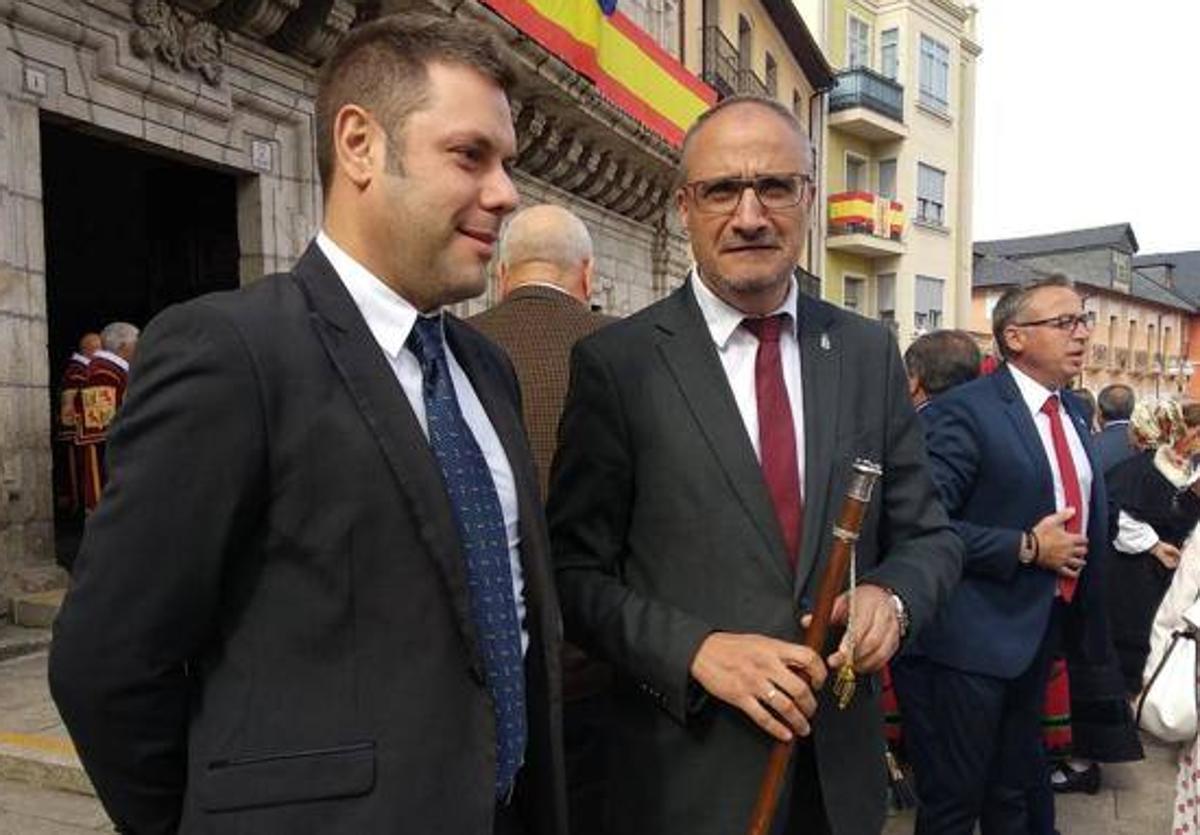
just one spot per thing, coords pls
(771, 694)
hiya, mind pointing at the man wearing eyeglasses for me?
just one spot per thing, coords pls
(704, 452)
(1014, 465)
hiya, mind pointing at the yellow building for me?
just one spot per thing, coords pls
(1142, 333)
(898, 159)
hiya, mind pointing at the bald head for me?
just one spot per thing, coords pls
(546, 244)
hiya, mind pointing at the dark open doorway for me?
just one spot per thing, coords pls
(128, 231)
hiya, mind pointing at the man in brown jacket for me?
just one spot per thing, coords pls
(545, 271)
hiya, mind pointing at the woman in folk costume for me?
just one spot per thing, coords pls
(1181, 594)
(1158, 498)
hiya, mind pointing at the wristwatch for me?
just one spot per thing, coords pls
(901, 614)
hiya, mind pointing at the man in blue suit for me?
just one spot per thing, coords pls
(1112, 443)
(1012, 460)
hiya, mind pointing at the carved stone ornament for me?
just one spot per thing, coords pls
(181, 44)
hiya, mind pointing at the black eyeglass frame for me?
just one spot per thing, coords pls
(1066, 322)
(754, 184)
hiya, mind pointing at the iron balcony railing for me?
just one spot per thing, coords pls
(1099, 356)
(720, 62)
(862, 87)
(749, 84)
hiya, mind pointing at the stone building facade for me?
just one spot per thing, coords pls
(225, 88)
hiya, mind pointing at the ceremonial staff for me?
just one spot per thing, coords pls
(845, 534)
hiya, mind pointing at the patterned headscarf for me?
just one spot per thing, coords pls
(1161, 427)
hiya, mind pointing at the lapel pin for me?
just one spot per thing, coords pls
(824, 342)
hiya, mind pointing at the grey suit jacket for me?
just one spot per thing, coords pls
(663, 532)
(268, 629)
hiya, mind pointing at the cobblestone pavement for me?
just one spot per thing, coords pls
(1135, 798)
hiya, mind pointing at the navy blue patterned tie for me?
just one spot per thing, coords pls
(480, 520)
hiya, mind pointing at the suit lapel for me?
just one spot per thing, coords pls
(821, 376)
(687, 349)
(1018, 414)
(372, 385)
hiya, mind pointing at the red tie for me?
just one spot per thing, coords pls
(777, 433)
(1070, 480)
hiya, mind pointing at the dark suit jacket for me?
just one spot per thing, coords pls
(537, 327)
(664, 532)
(1113, 445)
(995, 481)
(268, 629)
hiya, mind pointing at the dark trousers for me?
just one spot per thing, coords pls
(975, 745)
(805, 807)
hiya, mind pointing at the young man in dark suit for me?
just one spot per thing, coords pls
(705, 450)
(317, 596)
(1014, 465)
(1113, 444)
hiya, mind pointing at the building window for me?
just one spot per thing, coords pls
(853, 295)
(885, 300)
(858, 43)
(772, 73)
(931, 195)
(856, 173)
(887, 178)
(935, 74)
(745, 44)
(798, 105)
(927, 305)
(889, 53)
(659, 19)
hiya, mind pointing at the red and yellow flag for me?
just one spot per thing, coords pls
(625, 63)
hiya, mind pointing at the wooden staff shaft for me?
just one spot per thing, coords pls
(832, 582)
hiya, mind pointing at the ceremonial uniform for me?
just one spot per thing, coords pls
(69, 407)
(101, 396)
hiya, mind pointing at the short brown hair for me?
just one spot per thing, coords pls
(382, 67)
(1014, 301)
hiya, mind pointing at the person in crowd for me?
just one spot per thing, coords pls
(101, 396)
(67, 424)
(1087, 407)
(1181, 595)
(318, 596)
(1115, 406)
(545, 270)
(705, 449)
(937, 362)
(1157, 497)
(1010, 454)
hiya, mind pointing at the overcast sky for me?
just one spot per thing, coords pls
(1088, 113)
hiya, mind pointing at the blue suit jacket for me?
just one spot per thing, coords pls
(995, 480)
(1113, 445)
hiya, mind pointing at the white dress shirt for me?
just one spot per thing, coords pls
(737, 347)
(1034, 394)
(390, 318)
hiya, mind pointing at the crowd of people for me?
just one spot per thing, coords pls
(349, 532)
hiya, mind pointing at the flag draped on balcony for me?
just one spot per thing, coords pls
(628, 68)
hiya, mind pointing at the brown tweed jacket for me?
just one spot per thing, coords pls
(538, 326)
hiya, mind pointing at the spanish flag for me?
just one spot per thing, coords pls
(598, 41)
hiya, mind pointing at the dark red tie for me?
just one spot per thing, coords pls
(1070, 480)
(777, 432)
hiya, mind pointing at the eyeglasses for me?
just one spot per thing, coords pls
(722, 195)
(1067, 322)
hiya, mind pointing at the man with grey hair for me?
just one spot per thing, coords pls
(545, 276)
(705, 448)
(101, 395)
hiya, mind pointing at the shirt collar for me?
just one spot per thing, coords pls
(1032, 392)
(723, 318)
(115, 359)
(81, 358)
(389, 316)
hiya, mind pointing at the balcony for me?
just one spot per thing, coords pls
(720, 62)
(868, 105)
(1098, 356)
(749, 84)
(1141, 362)
(1122, 357)
(1173, 366)
(865, 224)
(1156, 364)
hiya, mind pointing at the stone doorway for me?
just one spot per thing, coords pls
(128, 231)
